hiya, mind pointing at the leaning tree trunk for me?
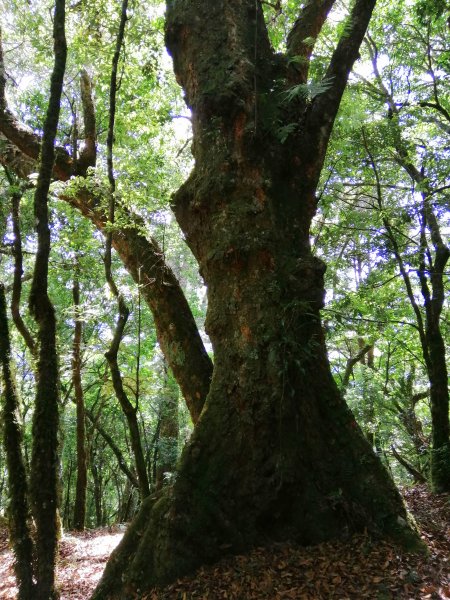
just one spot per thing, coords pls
(276, 453)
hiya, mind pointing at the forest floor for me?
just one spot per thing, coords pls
(358, 569)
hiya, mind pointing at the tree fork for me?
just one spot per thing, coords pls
(276, 454)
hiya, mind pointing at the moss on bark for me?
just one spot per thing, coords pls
(18, 509)
(276, 453)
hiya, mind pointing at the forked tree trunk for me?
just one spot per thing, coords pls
(276, 453)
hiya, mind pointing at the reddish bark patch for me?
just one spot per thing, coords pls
(239, 126)
(246, 333)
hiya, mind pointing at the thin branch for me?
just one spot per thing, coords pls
(351, 362)
(367, 320)
(418, 477)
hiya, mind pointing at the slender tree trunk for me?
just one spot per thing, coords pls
(276, 454)
(97, 480)
(129, 410)
(18, 273)
(81, 485)
(176, 329)
(167, 445)
(45, 462)
(439, 402)
(115, 449)
(133, 426)
(68, 504)
(19, 515)
(431, 276)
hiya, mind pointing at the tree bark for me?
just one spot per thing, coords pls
(44, 461)
(276, 453)
(79, 516)
(19, 513)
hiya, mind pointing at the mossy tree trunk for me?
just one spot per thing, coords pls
(44, 462)
(18, 509)
(276, 453)
(79, 515)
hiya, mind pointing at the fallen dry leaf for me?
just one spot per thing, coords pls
(358, 569)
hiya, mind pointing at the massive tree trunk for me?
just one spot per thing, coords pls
(276, 453)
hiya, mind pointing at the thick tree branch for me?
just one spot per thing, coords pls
(88, 154)
(303, 36)
(436, 106)
(325, 105)
(176, 329)
(23, 137)
(16, 161)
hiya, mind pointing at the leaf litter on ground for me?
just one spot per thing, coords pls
(357, 569)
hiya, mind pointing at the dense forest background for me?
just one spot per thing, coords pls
(381, 226)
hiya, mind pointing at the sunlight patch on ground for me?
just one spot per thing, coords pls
(82, 558)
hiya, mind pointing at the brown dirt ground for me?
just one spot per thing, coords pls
(357, 569)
